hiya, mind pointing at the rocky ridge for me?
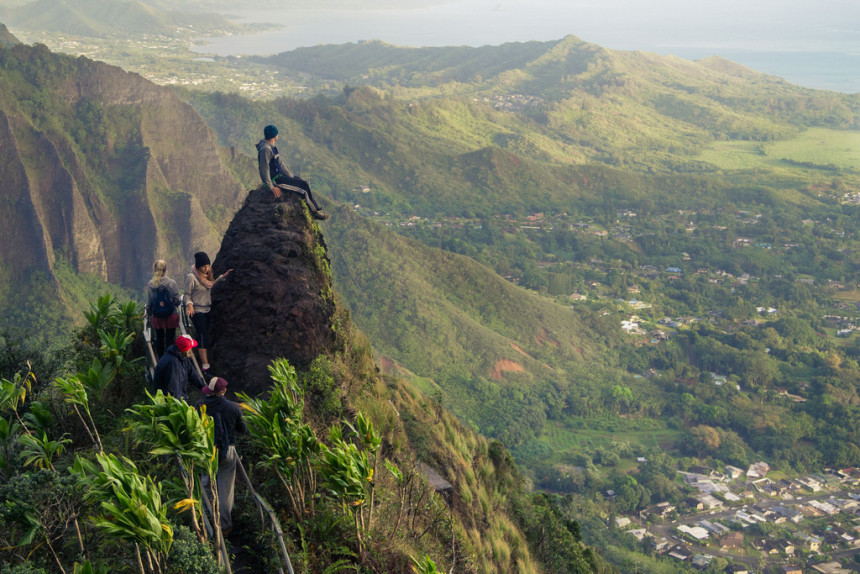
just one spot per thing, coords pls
(277, 301)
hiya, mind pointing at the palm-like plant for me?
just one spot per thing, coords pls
(99, 315)
(287, 443)
(346, 471)
(371, 441)
(8, 430)
(424, 566)
(131, 506)
(173, 427)
(39, 450)
(400, 478)
(114, 349)
(74, 393)
(88, 568)
(13, 393)
(97, 379)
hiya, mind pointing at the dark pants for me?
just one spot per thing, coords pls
(228, 462)
(300, 186)
(163, 339)
(201, 325)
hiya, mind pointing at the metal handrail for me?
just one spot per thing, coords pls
(264, 507)
(206, 507)
(184, 327)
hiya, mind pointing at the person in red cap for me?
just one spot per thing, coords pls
(175, 368)
(227, 417)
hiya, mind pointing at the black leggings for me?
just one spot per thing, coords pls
(201, 325)
(163, 339)
(300, 186)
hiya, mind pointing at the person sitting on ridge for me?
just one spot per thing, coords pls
(277, 176)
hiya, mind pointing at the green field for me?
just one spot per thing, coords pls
(564, 440)
(819, 146)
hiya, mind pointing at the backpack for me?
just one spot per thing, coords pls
(162, 305)
(222, 435)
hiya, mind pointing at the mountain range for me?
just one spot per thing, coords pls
(109, 18)
(102, 172)
(525, 164)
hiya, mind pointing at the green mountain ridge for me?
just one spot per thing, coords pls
(6, 37)
(131, 170)
(107, 18)
(103, 171)
(478, 336)
(702, 191)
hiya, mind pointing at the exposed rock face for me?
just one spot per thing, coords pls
(277, 301)
(107, 172)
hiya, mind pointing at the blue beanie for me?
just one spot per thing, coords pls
(269, 132)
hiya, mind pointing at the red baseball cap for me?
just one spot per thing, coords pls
(185, 343)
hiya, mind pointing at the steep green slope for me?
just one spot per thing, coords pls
(107, 18)
(501, 355)
(6, 37)
(102, 172)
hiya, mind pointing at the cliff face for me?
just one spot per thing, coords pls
(102, 169)
(277, 301)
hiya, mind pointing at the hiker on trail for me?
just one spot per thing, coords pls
(198, 301)
(175, 369)
(162, 298)
(227, 417)
(277, 176)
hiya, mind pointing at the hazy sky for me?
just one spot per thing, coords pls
(777, 31)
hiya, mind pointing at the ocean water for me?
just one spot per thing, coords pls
(813, 44)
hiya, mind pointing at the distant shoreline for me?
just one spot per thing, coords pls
(813, 46)
(835, 71)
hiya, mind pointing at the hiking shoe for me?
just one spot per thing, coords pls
(320, 215)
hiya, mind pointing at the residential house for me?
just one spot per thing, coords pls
(680, 553)
(732, 540)
(714, 527)
(622, 521)
(830, 568)
(811, 542)
(790, 513)
(661, 544)
(811, 484)
(790, 570)
(737, 569)
(733, 472)
(710, 502)
(758, 470)
(786, 547)
(701, 561)
(695, 532)
(702, 470)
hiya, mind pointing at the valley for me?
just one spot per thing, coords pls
(617, 284)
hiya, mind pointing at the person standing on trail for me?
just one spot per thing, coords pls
(198, 301)
(162, 298)
(277, 176)
(175, 369)
(227, 418)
